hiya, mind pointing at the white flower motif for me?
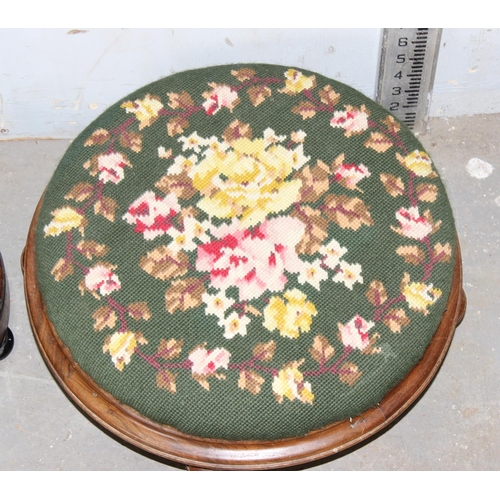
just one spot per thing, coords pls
(234, 325)
(299, 159)
(182, 164)
(348, 274)
(194, 142)
(298, 136)
(312, 273)
(217, 304)
(184, 240)
(332, 252)
(163, 153)
(270, 137)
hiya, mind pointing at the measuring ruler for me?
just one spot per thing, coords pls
(406, 75)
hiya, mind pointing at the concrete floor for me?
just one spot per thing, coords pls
(452, 427)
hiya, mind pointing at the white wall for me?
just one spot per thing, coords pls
(53, 82)
(467, 78)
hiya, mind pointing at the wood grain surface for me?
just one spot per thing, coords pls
(166, 442)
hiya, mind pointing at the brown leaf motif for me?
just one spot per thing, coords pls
(435, 225)
(237, 130)
(104, 317)
(264, 351)
(328, 96)
(180, 100)
(379, 142)
(315, 181)
(251, 381)
(243, 74)
(139, 310)
(184, 294)
(170, 349)
(131, 140)
(321, 350)
(163, 264)
(441, 253)
(62, 269)
(427, 192)
(393, 185)
(348, 213)
(349, 373)
(92, 165)
(315, 231)
(98, 137)
(376, 293)
(392, 125)
(179, 184)
(177, 125)
(305, 109)
(92, 249)
(258, 94)
(411, 254)
(395, 319)
(165, 379)
(106, 207)
(80, 192)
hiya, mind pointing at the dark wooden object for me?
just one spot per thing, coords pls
(6, 337)
(167, 442)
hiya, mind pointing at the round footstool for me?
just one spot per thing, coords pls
(244, 267)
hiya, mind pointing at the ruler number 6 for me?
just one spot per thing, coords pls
(403, 42)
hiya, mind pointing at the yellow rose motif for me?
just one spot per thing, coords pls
(289, 383)
(248, 181)
(292, 317)
(420, 296)
(146, 110)
(65, 219)
(121, 346)
(417, 162)
(296, 82)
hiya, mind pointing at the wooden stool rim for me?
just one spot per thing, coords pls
(166, 442)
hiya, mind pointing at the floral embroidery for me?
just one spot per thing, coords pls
(292, 317)
(253, 261)
(290, 384)
(420, 296)
(243, 225)
(247, 180)
(65, 219)
(152, 215)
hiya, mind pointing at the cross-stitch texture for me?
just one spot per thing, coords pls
(246, 251)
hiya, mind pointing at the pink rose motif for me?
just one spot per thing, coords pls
(207, 362)
(101, 278)
(355, 333)
(413, 225)
(152, 215)
(350, 174)
(111, 167)
(352, 120)
(221, 96)
(253, 260)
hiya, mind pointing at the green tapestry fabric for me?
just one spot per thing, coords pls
(246, 251)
